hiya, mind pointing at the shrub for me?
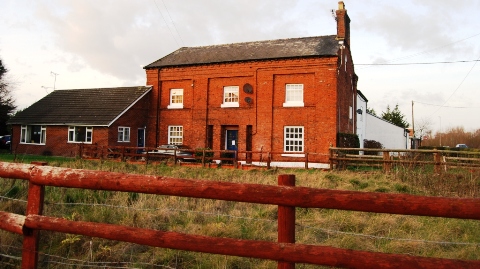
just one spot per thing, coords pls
(372, 144)
(347, 140)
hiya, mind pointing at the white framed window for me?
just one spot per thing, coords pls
(293, 95)
(175, 134)
(230, 96)
(33, 134)
(80, 134)
(293, 139)
(123, 134)
(176, 99)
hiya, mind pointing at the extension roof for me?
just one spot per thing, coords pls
(93, 107)
(251, 51)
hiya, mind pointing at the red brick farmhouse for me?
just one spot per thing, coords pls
(290, 96)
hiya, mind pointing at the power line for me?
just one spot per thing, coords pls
(456, 89)
(174, 26)
(417, 102)
(424, 63)
(420, 53)
(170, 30)
(430, 50)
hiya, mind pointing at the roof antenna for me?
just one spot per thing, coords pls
(54, 81)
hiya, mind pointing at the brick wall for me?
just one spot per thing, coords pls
(135, 118)
(328, 94)
(57, 144)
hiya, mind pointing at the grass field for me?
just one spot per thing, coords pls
(422, 236)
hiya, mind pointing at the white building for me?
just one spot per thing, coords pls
(371, 127)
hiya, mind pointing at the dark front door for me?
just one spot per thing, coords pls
(141, 138)
(232, 140)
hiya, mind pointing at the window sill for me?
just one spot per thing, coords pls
(296, 155)
(294, 104)
(73, 142)
(175, 107)
(38, 144)
(230, 105)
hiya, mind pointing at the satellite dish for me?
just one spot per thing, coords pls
(247, 88)
(248, 100)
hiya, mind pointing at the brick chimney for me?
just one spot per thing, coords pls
(343, 24)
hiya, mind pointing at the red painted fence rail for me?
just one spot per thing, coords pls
(286, 196)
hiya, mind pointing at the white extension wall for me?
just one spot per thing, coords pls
(380, 130)
(361, 117)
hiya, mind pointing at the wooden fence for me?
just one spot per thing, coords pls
(203, 156)
(386, 159)
(286, 196)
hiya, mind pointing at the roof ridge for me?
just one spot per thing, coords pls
(258, 41)
(326, 45)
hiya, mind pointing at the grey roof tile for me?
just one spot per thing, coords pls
(251, 51)
(98, 106)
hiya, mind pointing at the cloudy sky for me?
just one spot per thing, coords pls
(425, 52)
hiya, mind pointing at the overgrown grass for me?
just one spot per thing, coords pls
(423, 236)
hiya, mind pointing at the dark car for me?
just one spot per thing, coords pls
(181, 151)
(5, 141)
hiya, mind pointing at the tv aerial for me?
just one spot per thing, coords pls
(54, 81)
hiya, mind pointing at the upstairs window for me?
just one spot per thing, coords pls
(176, 98)
(293, 95)
(293, 139)
(33, 134)
(123, 134)
(230, 96)
(80, 134)
(175, 135)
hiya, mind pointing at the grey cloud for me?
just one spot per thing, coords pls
(117, 37)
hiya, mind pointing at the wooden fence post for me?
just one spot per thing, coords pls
(31, 237)
(235, 160)
(306, 160)
(286, 220)
(331, 158)
(437, 158)
(80, 150)
(386, 162)
(268, 161)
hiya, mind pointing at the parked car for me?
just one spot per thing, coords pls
(5, 141)
(461, 146)
(181, 151)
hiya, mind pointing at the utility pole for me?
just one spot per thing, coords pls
(440, 118)
(413, 122)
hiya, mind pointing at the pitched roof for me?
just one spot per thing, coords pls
(251, 51)
(96, 107)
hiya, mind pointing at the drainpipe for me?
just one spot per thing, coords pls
(158, 108)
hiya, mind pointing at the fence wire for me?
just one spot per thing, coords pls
(300, 226)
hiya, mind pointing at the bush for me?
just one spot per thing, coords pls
(347, 140)
(372, 144)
